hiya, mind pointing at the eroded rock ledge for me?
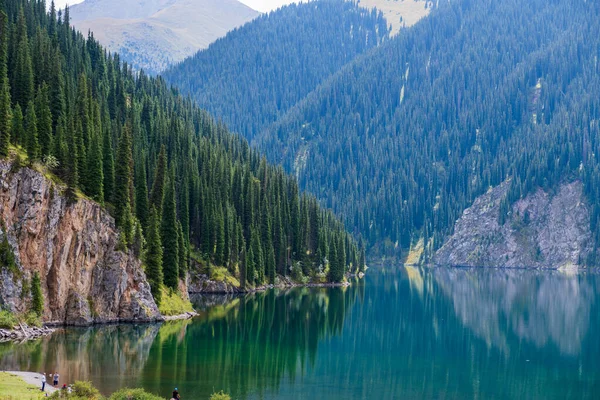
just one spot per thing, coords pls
(72, 246)
(542, 230)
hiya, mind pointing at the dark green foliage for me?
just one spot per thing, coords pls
(7, 257)
(44, 120)
(32, 144)
(256, 73)
(22, 75)
(183, 251)
(141, 196)
(37, 297)
(5, 104)
(17, 132)
(169, 236)
(123, 177)
(154, 256)
(108, 166)
(158, 188)
(95, 171)
(108, 124)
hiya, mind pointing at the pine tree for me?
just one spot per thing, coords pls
(259, 259)
(37, 296)
(95, 171)
(154, 256)
(334, 268)
(23, 89)
(5, 107)
(182, 250)
(220, 236)
(31, 133)
(342, 262)
(169, 236)
(123, 181)
(270, 263)
(108, 165)
(17, 133)
(141, 195)
(44, 120)
(158, 187)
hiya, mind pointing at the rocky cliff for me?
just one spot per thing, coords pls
(542, 230)
(72, 246)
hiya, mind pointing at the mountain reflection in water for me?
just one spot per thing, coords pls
(402, 332)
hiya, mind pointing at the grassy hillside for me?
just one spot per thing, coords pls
(400, 13)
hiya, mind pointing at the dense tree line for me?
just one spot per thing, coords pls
(401, 141)
(253, 75)
(173, 178)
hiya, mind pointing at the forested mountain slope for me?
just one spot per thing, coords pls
(256, 73)
(176, 182)
(401, 141)
(153, 34)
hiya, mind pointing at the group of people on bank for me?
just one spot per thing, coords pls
(55, 381)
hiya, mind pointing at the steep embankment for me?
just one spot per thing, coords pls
(73, 248)
(543, 230)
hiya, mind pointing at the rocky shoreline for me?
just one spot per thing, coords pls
(201, 284)
(24, 333)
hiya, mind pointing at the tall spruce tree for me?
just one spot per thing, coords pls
(31, 133)
(141, 195)
(23, 89)
(44, 120)
(169, 235)
(5, 103)
(158, 187)
(123, 177)
(17, 133)
(95, 171)
(108, 165)
(154, 256)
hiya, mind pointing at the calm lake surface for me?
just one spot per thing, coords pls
(401, 333)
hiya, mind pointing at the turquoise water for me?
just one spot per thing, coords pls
(400, 333)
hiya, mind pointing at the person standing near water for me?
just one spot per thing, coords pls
(56, 379)
(43, 381)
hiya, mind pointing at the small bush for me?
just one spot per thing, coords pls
(7, 320)
(32, 319)
(220, 396)
(86, 390)
(7, 257)
(222, 274)
(133, 394)
(172, 304)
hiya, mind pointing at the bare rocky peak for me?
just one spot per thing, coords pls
(543, 230)
(153, 34)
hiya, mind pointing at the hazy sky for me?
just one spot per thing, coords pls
(260, 5)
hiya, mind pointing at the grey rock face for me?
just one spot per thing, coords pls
(72, 246)
(202, 284)
(542, 230)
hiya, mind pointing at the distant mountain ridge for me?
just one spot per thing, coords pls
(256, 73)
(153, 34)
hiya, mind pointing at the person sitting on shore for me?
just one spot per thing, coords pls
(175, 395)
